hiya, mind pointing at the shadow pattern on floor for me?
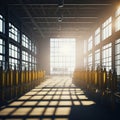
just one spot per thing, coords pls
(56, 99)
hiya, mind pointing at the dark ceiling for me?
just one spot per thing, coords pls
(74, 19)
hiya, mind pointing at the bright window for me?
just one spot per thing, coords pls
(90, 61)
(97, 58)
(14, 33)
(2, 46)
(107, 56)
(2, 24)
(2, 53)
(25, 56)
(117, 56)
(25, 60)
(97, 36)
(34, 48)
(33, 63)
(14, 55)
(25, 41)
(14, 51)
(85, 46)
(90, 43)
(107, 28)
(117, 21)
(62, 55)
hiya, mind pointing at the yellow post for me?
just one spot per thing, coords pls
(11, 77)
(104, 79)
(1, 77)
(110, 79)
(114, 80)
(96, 77)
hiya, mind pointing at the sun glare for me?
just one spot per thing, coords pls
(66, 50)
(62, 52)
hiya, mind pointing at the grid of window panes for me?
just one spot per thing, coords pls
(25, 41)
(97, 58)
(62, 55)
(107, 28)
(2, 52)
(90, 43)
(30, 61)
(34, 49)
(25, 60)
(2, 24)
(14, 33)
(117, 56)
(14, 56)
(97, 36)
(117, 21)
(90, 61)
(107, 56)
(33, 65)
(85, 46)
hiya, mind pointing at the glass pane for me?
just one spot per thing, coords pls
(106, 56)
(62, 51)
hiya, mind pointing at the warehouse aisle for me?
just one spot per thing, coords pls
(56, 99)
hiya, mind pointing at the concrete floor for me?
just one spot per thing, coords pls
(56, 99)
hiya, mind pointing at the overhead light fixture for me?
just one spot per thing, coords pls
(59, 19)
(60, 3)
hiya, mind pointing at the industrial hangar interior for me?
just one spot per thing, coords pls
(59, 59)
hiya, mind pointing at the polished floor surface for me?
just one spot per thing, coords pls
(56, 99)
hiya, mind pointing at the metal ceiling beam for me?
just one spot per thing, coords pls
(63, 29)
(39, 17)
(32, 19)
(101, 4)
(62, 22)
(66, 8)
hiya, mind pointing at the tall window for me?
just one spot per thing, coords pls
(30, 61)
(62, 55)
(14, 33)
(25, 60)
(90, 43)
(107, 56)
(97, 36)
(35, 50)
(97, 58)
(85, 46)
(2, 24)
(117, 21)
(117, 56)
(25, 41)
(2, 52)
(14, 56)
(34, 62)
(90, 61)
(33, 47)
(107, 28)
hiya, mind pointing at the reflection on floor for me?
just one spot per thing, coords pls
(55, 99)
